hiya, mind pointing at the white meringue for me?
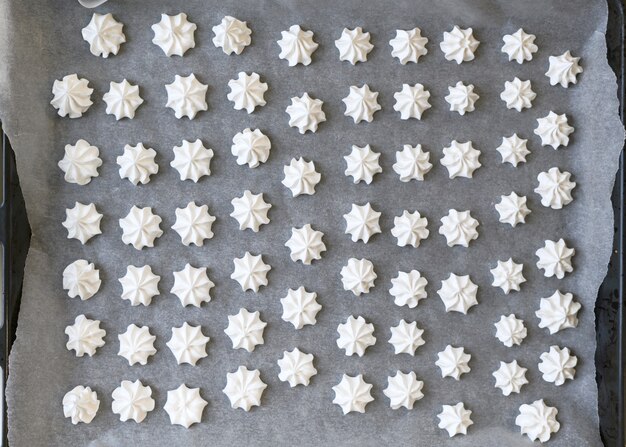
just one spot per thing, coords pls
(412, 163)
(408, 288)
(139, 285)
(72, 96)
(553, 130)
(296, 367)
(353, 45)
(245, 330)
(184, 406)
(558, 365)
(519, 46)
(231, 35)
(518, 94)
(510, 330)
(461, 159)
(305, 113)
(537, 421)
(137, 163)
(512, 209)
(80, 404)
(459, 228)
(352, 394)
(462, 98)
(81, 278)
(250, 272)
(362, 222)
(174, 34)
(403, 390)
(358, 276)
(296, 46)
(244, 388)
(301, 177)
(251, 147)
(193, 224)
(122, 99)
(361, 104)
(453, 362)
(132, 401)
(555, 188)
(104, 35)
(300, 307)
(84, 336)
(80, 162)
(246, 92)
(455, 419)
(192, 286)
(513, 150)
(192, 160)
(188, 344)
(140, 227)
(136, 344)
(82, 222)
(362, 164)
(458, 293)
(555, 258)
(459, 45)
(186, 96)
(406, 337)
(250, 211)
(408, 45)
(355, 336)
(510, 377)
(306, 244)
(410, 229)
(508, 276)
(557, 312)
(563, 69)
(411, 101)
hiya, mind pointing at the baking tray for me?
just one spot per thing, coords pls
(610, 307)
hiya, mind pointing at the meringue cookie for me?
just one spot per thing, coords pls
(231, 35)
(358, 276)
(80, 162)
(244, 388)
(186, 96)
(305, 113)
(352, 393)
(353, 45)
(300, 307)
(361, 104)
(362, 222)
(192, 160)
(555, 258)
(362, 164)
(510, 377)
(136, 344)
(301, 177)
(80, 404)
(513, 150)
(518, 94)
(137, 163)
(512, 209)
(455, 419)
(519, 46)
(250, 211)
(555, 188)
(81, 278)
(174, 34)
(251, 147)
(192, 286)
(462, 98)
(188, 344)
(296, 367)
(104, 35)
(139, 285)
(458, 293)
(245, 330)
(510, 330)
(558, 311)
(508, 276)
(184, 406)
(537, 421)
(563, 69)
(82, 222)
(408, 45)
(558, 365)
(406, 338)
(84, 336)
(553, 130)
(72, 96)
(453, 362)
(459, 228)
(408, 288)
(355, 336)
(132, 401)
(411, 101)
(250, 272)
(306, 244)
(412, 163)
(140, 227)
(461, 159)
(296, 46)
(410, 229)
(459, 45)
(122, 99)
(193, 224)
(246, 92)
(403, 390)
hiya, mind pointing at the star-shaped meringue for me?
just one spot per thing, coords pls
(194, 224)
(246, 92)
(250, 272)
(296, 46)
(300, 307)
(406, 337)
(352, 393)
(122, 99)
(510, 330)
(186, 96)
(362, 222)
(358, 276)
(296, 367)
(362, 164)
(81, 278)
(461, 159)
(510, 377)
(80, 162)
(192, 286)
(251, 147)
(403, 390)
(137, 163)
(512, 209)
(104, 35)
(192, 160)
(555, 188)
(301, 177)
(361, 104)
(408, 45)
(244, 388)
(462, 98)
(250, 211)
(555, 258)
(412, 163)
(553, 130)
(355, 336)
(353, 45)
(508, 275)
(519, 46)
(84, 336)
(136, 344)
(458, 293)
(305, 113)
(563, 69)
(184, 406)
(80, 404)
(174, 34)
(459, 228)
(410, 229)
(408, 288)
(537, 421)
(140, 227)
(231, 35)
(455, 419)
(82, 222)
(459, 45)
(139, 285)
(245, 330)
(513, 150)
(72, 96)
(411, 101)
(453, 362)
(306, 244)
(558, 365)
(188, 344)
(558, 311)
(518, 94)
(132, 401)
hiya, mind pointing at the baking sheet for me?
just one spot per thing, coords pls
(41, 42)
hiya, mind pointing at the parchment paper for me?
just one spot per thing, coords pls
(41, 42)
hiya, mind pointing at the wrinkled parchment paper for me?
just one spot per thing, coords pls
(41, 42)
